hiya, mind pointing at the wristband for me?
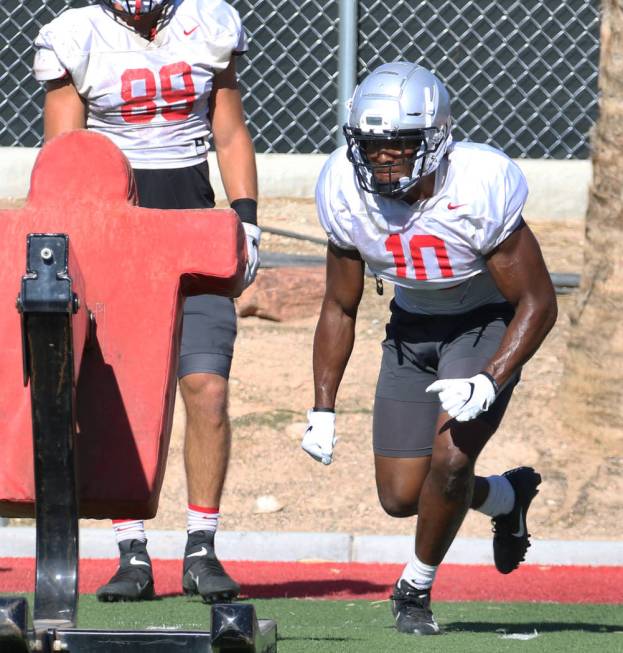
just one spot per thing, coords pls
(494, 383)
(246, 208)
(323, 410)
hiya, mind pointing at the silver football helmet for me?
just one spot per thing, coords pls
(135, 7)
(405, 103)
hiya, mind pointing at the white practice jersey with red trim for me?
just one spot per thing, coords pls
(149, 97)
(434, 251)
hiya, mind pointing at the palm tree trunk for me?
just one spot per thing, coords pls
(591, 394)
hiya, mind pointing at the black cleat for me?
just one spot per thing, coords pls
(411, 609)
(134, 579)
(511, 539)
(203, 573)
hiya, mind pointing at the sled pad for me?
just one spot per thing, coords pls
(136, 265)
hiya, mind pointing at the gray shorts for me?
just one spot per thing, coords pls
(418, 350)
(209, 321)
(208, 335)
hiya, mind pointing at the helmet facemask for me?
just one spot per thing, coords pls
(421, 150)
(135, 8)
(406, 107)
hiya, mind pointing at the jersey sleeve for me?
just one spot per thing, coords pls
(333, 213)
(242, 44)
(234, 25)
(61, 47)
(47, 64)
(506, 202)
(224, 34)
(230, 24)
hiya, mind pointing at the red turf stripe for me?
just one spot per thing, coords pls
(362, 581)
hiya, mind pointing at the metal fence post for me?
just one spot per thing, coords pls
(347, 61)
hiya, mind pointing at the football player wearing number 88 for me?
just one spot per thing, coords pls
(473, 301)
(158, 77)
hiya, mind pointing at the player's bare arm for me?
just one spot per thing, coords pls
(234, 148)
(236, 159)
(335, 331)
(63, 110)
(519, 271)
(333, 344)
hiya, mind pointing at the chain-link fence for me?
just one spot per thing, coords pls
(522, 74)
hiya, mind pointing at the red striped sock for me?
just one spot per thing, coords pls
(129, 529)
(201, 518)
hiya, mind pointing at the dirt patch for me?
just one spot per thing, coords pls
(271, 389)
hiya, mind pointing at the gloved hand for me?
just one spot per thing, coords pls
(319, 438)
(254, 234)
(465, 399)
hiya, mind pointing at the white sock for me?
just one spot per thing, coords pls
(501, 497)
(129, 529)
(419, 574)
(200, 518)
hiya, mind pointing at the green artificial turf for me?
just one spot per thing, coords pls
(354, 626)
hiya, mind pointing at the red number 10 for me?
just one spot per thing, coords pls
(393, 244)
(142, 108)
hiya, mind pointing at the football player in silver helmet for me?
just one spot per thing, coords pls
(473, 300)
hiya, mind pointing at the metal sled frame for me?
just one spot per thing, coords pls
(55, 330)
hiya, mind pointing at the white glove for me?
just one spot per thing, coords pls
(465, 399)
(254, 235)
(319, 438)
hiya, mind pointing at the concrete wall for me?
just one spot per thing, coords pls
(558, 189)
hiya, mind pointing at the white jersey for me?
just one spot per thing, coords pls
(433, 250)
(149, 97)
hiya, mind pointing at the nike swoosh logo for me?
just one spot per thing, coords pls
(198, 554)
(455, 206)
(136, 562)
(190, 31)
(521, 532)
